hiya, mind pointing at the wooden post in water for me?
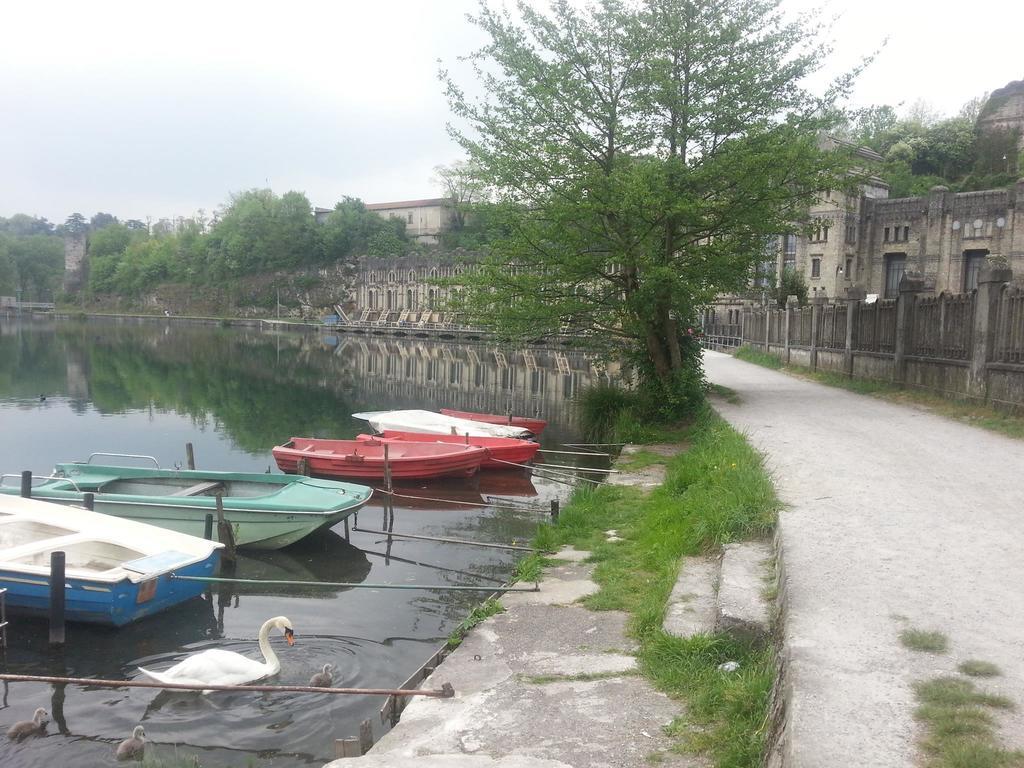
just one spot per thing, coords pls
(88, 501)
(224, 532)
(208, 527)
(346, 530)
(346, 748)
(26, 484)
(57, 583)
(190, 456)
(365, 737)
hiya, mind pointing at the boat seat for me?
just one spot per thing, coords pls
(199, 488)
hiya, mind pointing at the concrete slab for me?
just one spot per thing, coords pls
(504, 716)
(742, 608)
(571, 554)
(563, 585)
(693, 605)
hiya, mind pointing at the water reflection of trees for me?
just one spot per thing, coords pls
(262, 388)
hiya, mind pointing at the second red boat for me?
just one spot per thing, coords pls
(365, 458)
(500, 450)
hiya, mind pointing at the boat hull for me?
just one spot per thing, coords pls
(97, 602)
(365, 459)
(264, 511)
(251, 528)
(502, 452)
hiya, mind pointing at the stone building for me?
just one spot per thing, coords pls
(865, 243)
(405, 284)
(75, 264)
(425, 220)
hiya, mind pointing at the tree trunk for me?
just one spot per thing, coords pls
(672, 341)
(656, 351)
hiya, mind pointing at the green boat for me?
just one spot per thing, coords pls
(265, 511)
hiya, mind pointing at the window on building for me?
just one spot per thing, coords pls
(849, 268)
(895, 266)
(906, 234)
(973, 262)
(887, 230)
(408, 218)
(789, 252)
(851, 233)
(815, 266)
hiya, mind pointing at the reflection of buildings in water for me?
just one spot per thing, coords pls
(473, 377)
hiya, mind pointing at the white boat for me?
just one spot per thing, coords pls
(432, 423)
(116, 571)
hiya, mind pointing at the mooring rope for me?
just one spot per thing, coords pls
(445, 692)
(349, 584)
(397, 495)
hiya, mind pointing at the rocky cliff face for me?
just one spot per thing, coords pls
(1004, 110)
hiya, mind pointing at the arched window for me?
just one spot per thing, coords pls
(409, 303)
(433, 273)
(391, 277)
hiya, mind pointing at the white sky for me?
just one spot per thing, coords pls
(155, 108)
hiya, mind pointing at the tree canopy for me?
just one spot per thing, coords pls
(256, 231)
(639, 153)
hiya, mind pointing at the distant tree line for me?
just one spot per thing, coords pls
(257, 231)
(923, 149)
(31, 257)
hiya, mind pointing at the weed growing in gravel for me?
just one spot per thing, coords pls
(924, 640)
(960, 725)
(976, 668)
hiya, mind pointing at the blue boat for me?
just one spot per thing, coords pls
(116, 571)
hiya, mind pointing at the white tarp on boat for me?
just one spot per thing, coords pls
(432, 423)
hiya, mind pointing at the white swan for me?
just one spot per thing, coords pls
(217, 667)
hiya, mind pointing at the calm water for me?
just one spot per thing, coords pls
(69, 389)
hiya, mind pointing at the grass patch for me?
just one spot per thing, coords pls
(961, 731)
(530, 568)
(730, 396)
(484, 610)
(640, 460)
(976, 668)
(714, 493)
(582, 677)
(924, 640)
(758, 357)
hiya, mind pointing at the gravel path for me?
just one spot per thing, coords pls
(895, 518)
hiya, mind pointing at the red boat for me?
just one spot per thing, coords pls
(536, 426)
(499, 449)
(365, 458)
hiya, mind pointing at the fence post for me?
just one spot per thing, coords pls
(851, 318)
(911, 284)
(791, 303)
(767, 328)
(816, 308)
(986, 304)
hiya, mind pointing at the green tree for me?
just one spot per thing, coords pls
(76, 224)
(350, 230)
(101, 220)
(791, 283)
(21, 224)
(640, 153)
(39, 261)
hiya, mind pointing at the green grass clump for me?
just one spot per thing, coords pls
(730, 708)
(924, 640)
(599, 407)
(975, 668)
(758, 357)
(482, 611)
(715, 492)
(729, 395)
(961, 731)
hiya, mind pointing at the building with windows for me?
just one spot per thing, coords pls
(866, 242)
